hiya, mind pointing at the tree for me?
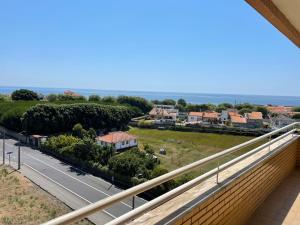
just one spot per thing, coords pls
(224, 106)
(296, 109)
(138, 102)
(181, 102)
(296, 116)
(149, 149)
(109, 99)
(263, 110)
(78, 131)
(168, 102)
(25, 95)
(94, 98)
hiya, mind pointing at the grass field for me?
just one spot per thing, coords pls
(186, 147)
(22, 202)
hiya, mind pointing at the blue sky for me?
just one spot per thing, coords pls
(184, 46)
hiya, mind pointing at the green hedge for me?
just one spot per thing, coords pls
(48, 119)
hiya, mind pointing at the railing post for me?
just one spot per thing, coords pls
(270, 139)
(19, 154)
(218, 172)
(133, 202)
(4, 147)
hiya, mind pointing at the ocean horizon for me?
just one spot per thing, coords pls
(195, 98)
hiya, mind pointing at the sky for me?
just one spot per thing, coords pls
(170, 45)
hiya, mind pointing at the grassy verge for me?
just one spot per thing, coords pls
(186, 147)
(22, 202)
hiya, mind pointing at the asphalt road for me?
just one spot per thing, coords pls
(74, 187)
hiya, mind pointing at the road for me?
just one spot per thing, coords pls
(73, 186)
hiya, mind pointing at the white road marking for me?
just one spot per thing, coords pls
(67, 189)
(96, 189)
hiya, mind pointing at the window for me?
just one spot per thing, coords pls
(123, 142)
(135, 141)
(127, 142)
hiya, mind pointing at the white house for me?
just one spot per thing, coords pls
(195, 117)
(224, 116)
(118, 140)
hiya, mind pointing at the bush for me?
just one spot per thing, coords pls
(60, 143)
(132, 163)
(25, 95)
(52, 98)
(48, 119)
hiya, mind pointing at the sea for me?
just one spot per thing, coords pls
(195, 98)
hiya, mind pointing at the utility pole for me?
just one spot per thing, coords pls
(3, 147)
(19, 154)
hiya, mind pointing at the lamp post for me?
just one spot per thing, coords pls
(3, 147)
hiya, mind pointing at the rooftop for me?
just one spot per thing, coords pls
(115, 137)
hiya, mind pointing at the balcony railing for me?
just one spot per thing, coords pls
(105, 203)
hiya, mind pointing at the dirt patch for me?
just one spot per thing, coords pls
(22, 202)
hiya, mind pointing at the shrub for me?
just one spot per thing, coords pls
(52, 98)
(24, 94)
(132, 163)
(60, 143)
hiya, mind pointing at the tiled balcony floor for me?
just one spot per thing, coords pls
(282, 206)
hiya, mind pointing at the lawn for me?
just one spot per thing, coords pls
(22, 202)
(186, 147)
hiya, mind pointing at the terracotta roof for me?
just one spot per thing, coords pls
(238, 119)
(233, 113)
(255, 116)
(213, 115)
(196, 114)
(71, 93)
(115, 137)
(280, 109)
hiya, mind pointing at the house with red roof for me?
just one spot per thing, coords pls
(118, 140)
(254, 119)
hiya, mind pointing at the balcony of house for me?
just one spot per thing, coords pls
(259, 186)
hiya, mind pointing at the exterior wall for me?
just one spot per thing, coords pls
(234, 203)
(194, 118)
(121, 145)
(126, 144)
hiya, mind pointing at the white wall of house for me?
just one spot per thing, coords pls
(120, 145)
(194, 118)
(224, 116)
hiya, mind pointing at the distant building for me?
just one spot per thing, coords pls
(224, 116)
(281, 121)
(71, 93)
(194, 117)
(164, 115)
(211, 117)
(283, 110)
(237, 120)
(254, 119)
(118, 140)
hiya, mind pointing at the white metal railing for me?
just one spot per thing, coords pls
(102, 204)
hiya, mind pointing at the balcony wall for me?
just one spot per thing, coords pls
(242, 189)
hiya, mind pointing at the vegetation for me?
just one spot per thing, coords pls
(296, 116)
(133, 163)
(138, 102)
(24, 95)
(183, 148)
(25, 203)
(49, 119)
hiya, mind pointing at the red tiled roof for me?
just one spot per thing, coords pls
(200, 114)
(255, 116)
(213, 115)
(238, 119)
(279, 109)
(115, 137)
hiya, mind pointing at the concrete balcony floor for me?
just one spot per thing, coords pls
(282, 207)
